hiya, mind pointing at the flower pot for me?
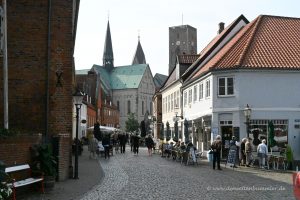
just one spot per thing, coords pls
(49, 182)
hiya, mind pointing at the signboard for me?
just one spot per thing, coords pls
(231, 157)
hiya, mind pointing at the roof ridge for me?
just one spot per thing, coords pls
(256, 23)
(246, 30)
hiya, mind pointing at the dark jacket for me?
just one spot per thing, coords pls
(149, 142)
(216, 145)
(136, 141)
(106, 141)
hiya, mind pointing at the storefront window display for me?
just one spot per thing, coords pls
(259, 130)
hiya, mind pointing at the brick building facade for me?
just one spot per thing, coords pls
(41, 78)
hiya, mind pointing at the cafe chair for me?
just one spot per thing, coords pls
(271, 160)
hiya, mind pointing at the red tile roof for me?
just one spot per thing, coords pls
(268, 42)
(213, 44)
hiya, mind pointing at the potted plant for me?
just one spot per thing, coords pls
(44, 162)
(5, 190)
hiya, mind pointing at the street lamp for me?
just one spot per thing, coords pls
(247, 113)
(176, 116)
(77, 98)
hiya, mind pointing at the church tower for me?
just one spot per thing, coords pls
(139, 57)
(108, 55)
(182, 40)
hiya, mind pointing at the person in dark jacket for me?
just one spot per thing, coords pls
(136, 143)
(149, 143)
(106, 145)
(243, 152)
(123, 140)
(216, 147)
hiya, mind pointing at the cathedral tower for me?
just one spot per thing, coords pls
(108, 55)
(139, 57)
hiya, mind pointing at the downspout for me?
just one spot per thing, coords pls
(46, 136)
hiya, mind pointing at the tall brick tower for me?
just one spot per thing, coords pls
(182, 40)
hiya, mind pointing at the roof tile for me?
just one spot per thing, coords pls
(268, 42)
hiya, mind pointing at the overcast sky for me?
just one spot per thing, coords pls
(151, 19)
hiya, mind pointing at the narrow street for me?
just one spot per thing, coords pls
(128, 176)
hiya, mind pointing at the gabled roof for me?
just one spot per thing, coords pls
(183, 61)
(159, 80)
(122, 77)
(268, 42)
(104, 76)
(125, 77)
(139, 56)
(216, 41)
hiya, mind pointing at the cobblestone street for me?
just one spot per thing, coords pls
(142, 177)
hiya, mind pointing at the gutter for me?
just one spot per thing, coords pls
(46, 135)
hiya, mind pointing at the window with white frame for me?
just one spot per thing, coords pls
(225, 86)
(172, 101)
(178, 99)
(207, 89)
(175, 100)
(190, 95)
(185, 98)
(169, 103)
(200, 91)
(195, 92)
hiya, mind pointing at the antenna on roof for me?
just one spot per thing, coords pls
(108, 15)
(182, 19)
(139, 37)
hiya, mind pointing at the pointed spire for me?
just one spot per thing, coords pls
(139, 57)
(108, 55)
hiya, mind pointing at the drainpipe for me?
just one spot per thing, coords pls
(46, 135)
(5, 68)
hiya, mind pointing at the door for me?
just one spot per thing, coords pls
(226, 132)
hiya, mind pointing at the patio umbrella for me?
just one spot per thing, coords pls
(162, 135)
(168, 131)
(186, 131)
(176, 131)
(271, 141)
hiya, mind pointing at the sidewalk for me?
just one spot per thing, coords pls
(90, 173)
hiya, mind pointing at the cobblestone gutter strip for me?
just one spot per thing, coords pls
(113, 181)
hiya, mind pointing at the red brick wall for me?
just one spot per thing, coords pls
(19, 144)
(28, 47)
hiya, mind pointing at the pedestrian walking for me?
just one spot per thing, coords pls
(93, 146)
(131, 141)
(150, 144)
(216, 147)
(106, 145)
(262, 153)
(243, 152)
(234, 147)
(248, 150)
(123, 140)
(136, 143)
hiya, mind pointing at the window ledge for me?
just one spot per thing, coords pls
(224, 96)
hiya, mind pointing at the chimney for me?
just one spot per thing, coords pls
(221, 27)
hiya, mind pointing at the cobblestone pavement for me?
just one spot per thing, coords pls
(128, 176)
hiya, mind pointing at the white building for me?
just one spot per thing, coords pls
(258, 66)
(171, 96)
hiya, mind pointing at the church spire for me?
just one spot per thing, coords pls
(139, 57)
(108, 55)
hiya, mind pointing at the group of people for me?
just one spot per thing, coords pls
(95, 147)
(243, 151)
(179, 150)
